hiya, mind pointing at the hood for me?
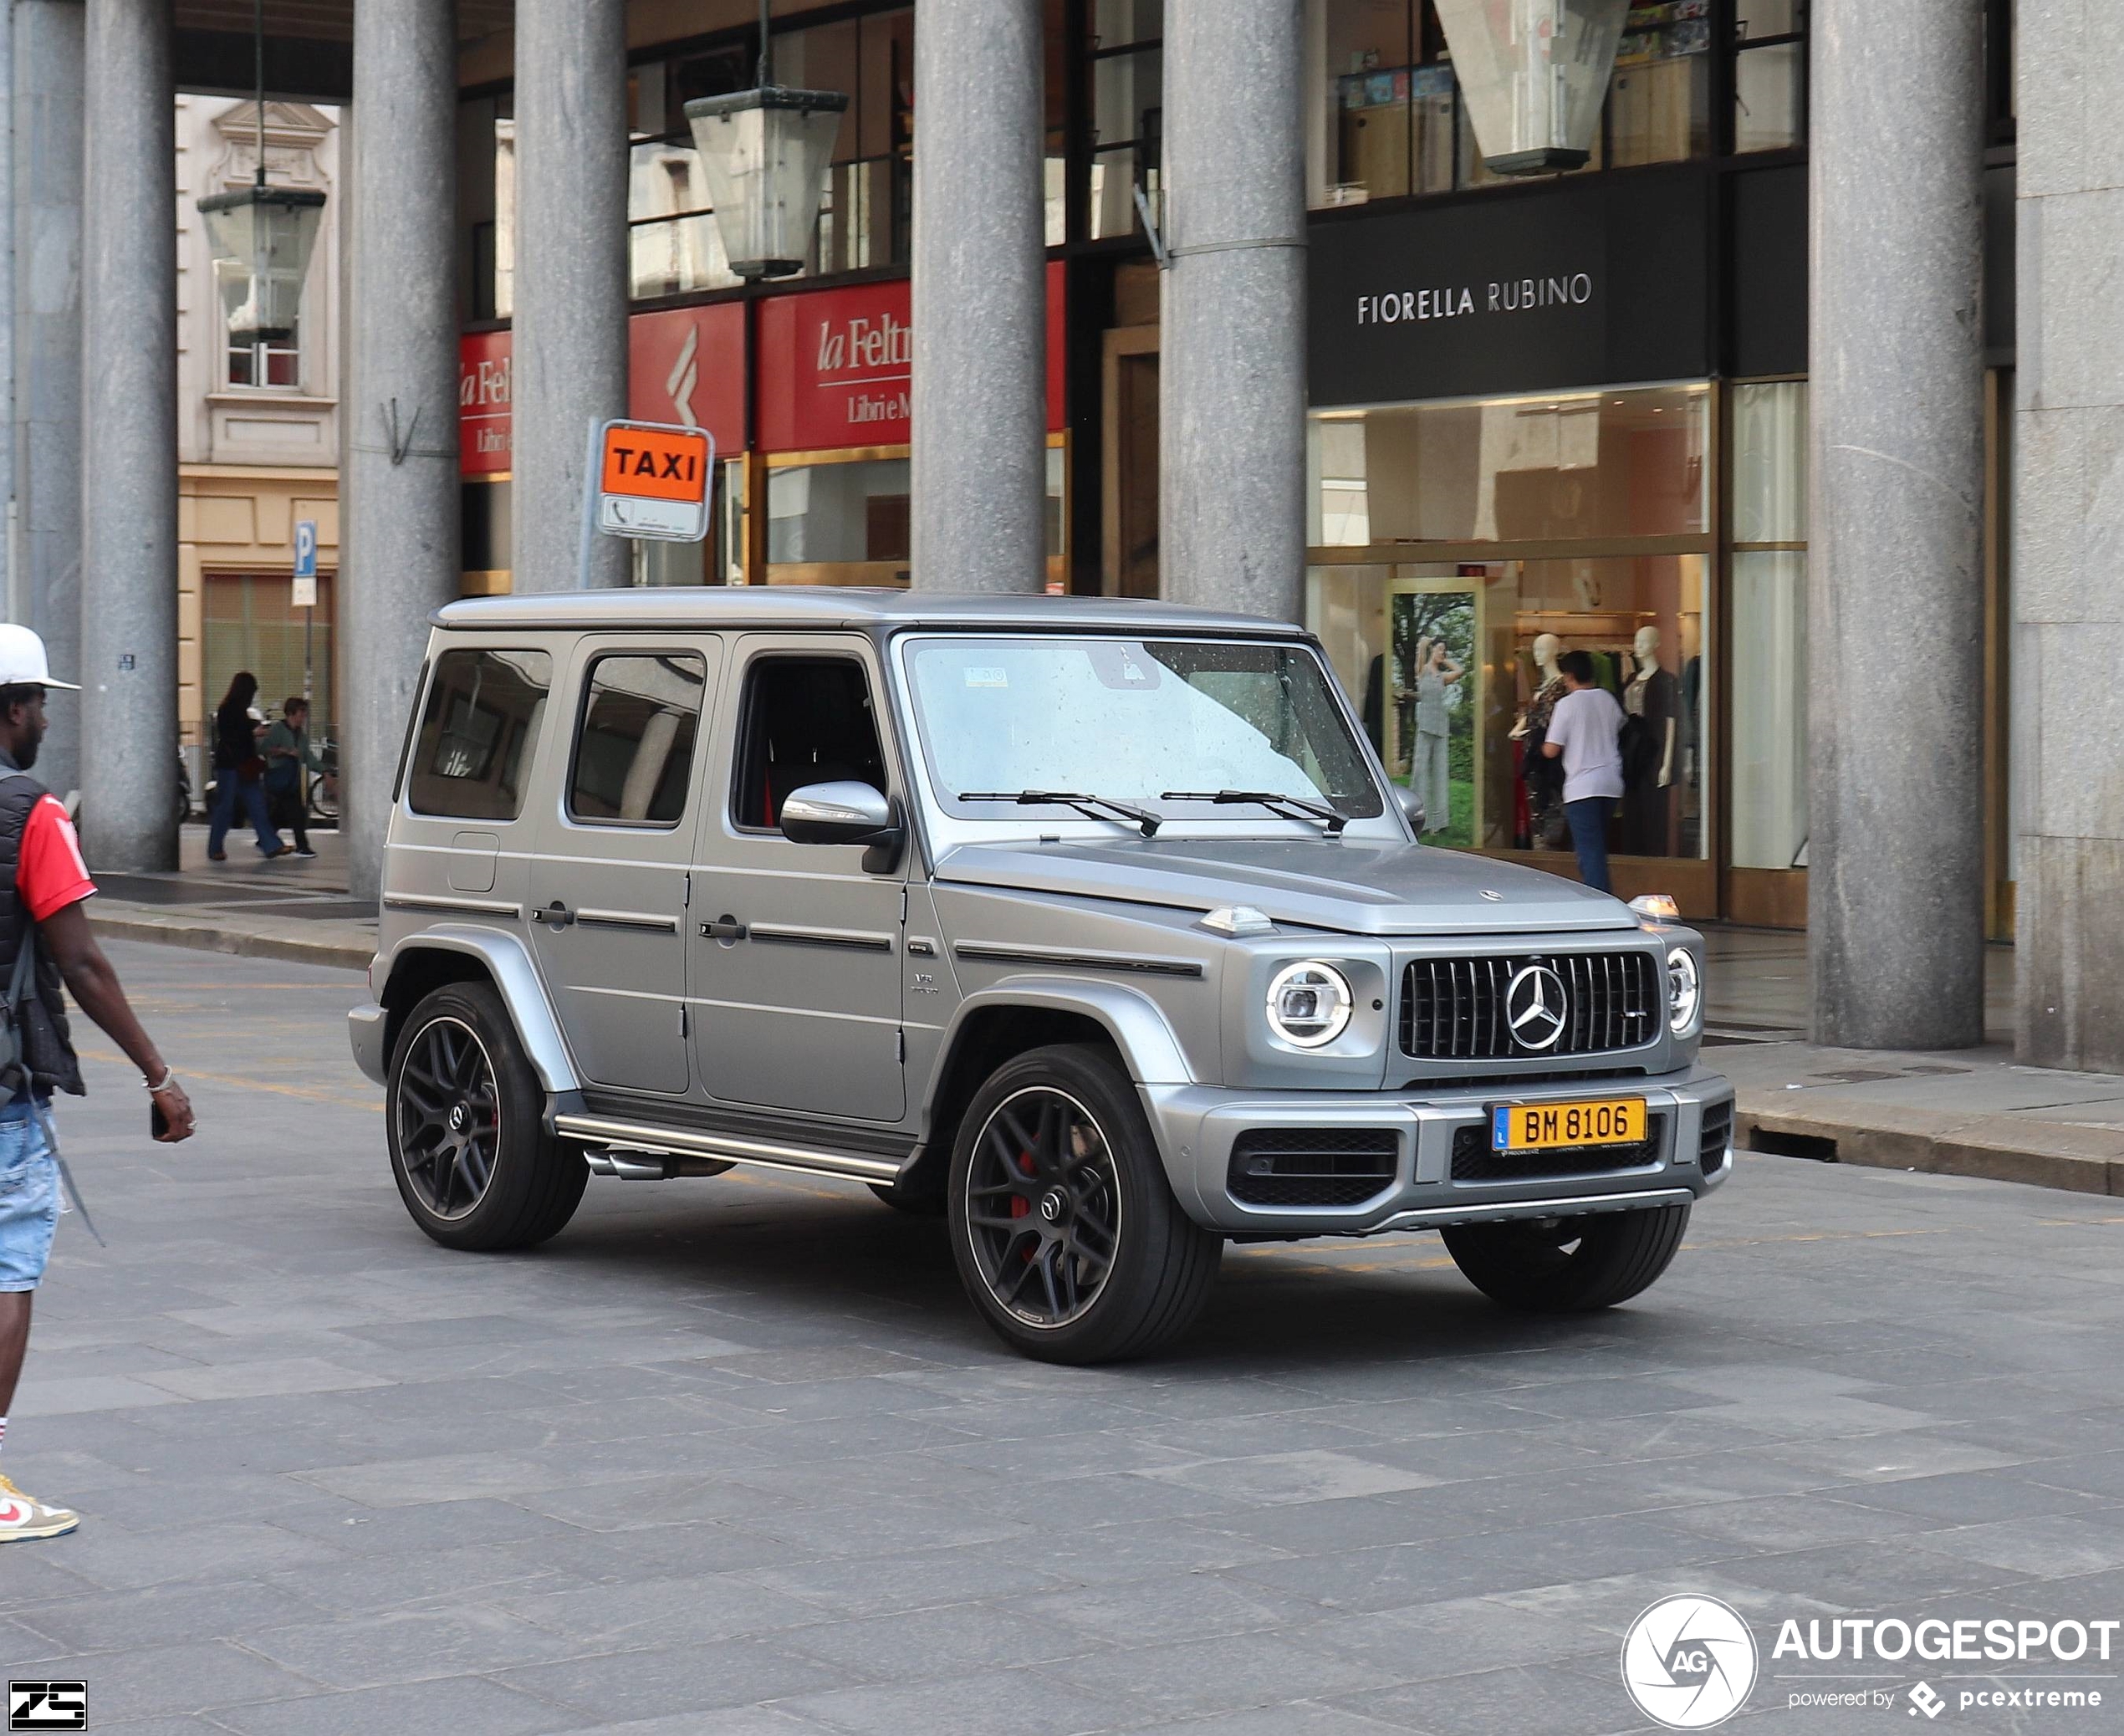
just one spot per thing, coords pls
(1366, 886)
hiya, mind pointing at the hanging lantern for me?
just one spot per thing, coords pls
(765, 153)
(262, 238)
(1534, 74)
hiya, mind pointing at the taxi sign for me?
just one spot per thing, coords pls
(653, 481)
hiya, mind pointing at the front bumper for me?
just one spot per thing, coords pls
(366, 1026)
(1197, 1125)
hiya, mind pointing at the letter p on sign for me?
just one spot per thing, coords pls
(653, 481)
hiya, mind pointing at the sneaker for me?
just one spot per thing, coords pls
(274, 855)
(305, 855)
(25, 1516)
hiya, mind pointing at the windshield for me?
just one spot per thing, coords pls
(1140, 721)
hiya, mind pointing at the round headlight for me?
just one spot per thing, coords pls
(1684, 990)
(1308, 1004)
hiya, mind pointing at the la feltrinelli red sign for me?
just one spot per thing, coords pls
(835, 370)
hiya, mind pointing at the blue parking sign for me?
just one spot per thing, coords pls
(305, 547)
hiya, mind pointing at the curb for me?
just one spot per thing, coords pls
(2060, 1154)
(133, 922)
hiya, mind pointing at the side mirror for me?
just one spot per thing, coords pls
(1412, 810)
(849, 812)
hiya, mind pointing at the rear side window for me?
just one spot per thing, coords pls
(483, 715)
(634, 753)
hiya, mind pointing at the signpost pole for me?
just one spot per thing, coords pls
(593, 462)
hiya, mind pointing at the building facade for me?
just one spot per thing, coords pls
(258, 432)
(1628, 405)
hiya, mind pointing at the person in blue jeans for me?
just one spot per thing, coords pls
(235, 753)
(1586, 733)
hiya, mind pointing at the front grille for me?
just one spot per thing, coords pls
(1474, 1161)
(1454, 1009)
(1718, 1134)
(1312, 1165)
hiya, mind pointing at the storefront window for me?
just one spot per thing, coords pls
(841, 522)
(1769, 661)
(1384, 115)
(1454, 666)
(1577, 521)
(1626, 463)
(1769, 75)
(1127, 112)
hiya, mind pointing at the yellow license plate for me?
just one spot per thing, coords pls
(1556, 1126)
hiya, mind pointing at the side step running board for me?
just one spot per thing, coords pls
(617, 1137)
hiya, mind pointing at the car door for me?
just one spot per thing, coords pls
(795, 949)
(609, 887)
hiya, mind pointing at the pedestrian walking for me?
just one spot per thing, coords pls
(239, 770)
(289, 755)
(1585, 731)
(44, 931)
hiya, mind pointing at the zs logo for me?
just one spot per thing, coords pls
(48, 1706)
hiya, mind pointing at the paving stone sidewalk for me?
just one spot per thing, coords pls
(734, 1456)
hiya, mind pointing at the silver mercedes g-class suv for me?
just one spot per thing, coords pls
(1094, 926)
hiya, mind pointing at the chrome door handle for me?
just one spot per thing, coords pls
(557, 916)
(723, 928)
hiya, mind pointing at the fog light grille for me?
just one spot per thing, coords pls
(1717, 1137)
(1313, 1166)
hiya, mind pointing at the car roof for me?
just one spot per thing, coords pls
(822, 607)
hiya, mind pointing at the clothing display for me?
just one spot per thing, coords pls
(1542, 777)
(1653, 701)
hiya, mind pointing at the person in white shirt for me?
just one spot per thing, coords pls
(1585, 731)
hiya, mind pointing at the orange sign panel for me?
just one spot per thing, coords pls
(656, 463)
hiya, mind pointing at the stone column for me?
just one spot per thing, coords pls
(1896, 582)
(44, 187)
(1232, 373)
(979, 473)
(399, 525)
(128, 433)
(569, 359)
(2068, 527)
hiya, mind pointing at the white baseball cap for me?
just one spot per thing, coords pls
(22, 661)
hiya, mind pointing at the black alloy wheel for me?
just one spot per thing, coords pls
(449, 1117)
(1569, 1266)
(1044, 1207)
(465, 1116)
(1065, 1228)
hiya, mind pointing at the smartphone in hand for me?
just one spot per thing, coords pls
(158, 1124)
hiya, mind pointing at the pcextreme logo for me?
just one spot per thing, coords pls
(1688, 1662)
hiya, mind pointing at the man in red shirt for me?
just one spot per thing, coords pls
(43, 887)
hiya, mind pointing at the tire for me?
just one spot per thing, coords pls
(1569, 1266)
(1028, 1246)
(465, 1118)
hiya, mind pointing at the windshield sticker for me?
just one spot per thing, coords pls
(987, 678)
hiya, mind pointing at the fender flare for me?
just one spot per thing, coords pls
(1140, 1029)
(516, 979)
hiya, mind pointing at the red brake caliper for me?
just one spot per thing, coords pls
(1020, 1207)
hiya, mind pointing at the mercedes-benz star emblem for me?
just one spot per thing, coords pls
(1535, 1007)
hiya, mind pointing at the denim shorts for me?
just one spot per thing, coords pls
(29, 1199)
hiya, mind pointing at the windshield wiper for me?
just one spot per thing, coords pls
(1283, 807)
(1092, 807)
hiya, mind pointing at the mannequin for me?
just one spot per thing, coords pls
(1653, 696)
(1543, 778)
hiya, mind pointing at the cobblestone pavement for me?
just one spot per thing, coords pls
(733, 1456)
